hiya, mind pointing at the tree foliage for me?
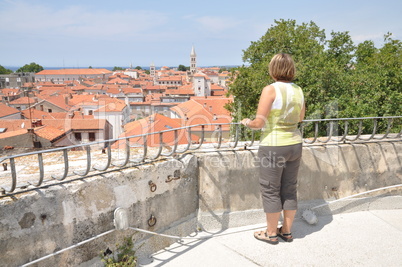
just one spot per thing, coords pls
(183, 68)
(3, 70)
(32, 67)
(339, 78)
(117, 68)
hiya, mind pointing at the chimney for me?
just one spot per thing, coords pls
(215, 118)
(210, 108)
(66, 100)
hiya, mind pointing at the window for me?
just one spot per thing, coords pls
(49, 110)
(91, 137)
(90, 112)
(77, 136)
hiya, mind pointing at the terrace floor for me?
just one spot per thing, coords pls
(361, 238)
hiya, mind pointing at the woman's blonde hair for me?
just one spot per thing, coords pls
(282, 67)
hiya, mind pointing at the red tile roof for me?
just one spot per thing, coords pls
(170, 78)
(37, 114)
(130, 90)
(15, 125)
(48, 132)
(6, 110)
(116, 106)
(204, 111)
(10, 91)
(13, 133)
(216, 87)
(179, 91)
(60, 101)
(75, 72)
(154, 123)
(23, 101)
(117, 81)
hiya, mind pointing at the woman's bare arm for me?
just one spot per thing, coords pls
(264, 107)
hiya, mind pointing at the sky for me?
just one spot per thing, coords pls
(83, 33)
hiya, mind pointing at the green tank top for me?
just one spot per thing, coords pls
(281, 126)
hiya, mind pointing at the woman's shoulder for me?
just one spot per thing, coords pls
(270, 88)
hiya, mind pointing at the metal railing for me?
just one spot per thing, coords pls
(187, 133)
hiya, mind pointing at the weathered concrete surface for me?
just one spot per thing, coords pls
(361, 238)
(39, 223)
(216, 190)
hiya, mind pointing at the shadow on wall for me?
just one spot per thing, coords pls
(337, 171)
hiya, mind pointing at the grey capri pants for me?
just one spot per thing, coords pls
(279, 166)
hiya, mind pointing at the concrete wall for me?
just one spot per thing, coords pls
(216, 190)
(229, 186)
(33, 225)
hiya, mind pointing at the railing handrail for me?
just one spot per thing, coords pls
(345, 119)
(108, 143)
(175, 129)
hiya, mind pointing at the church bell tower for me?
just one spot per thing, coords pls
(193, 61)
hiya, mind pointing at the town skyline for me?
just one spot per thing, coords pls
(101, 33)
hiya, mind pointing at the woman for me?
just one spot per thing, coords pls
(280, 109)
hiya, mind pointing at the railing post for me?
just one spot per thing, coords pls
(174, 146)
(236, 136)
(88, 168)
(13, 177)
(65, 157)
(109, 160)
(41, 171)
(374, 131)
(160, 147)
(127, 149)
(315, 134)
(331, 129)
(201, 139)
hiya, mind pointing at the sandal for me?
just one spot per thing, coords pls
(262, 236)
(285, 237)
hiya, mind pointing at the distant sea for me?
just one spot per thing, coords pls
(14, 68)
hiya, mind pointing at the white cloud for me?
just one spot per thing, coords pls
(75, 21)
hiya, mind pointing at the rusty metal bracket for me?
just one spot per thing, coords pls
(176, 176)
(152, 221)
(152, 186)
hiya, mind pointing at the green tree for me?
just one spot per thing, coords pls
(339, 79)
(183, 68)
(90, 67)
(117, 68)
(305, 42)
(138, 68)
(32, 67)
(3, 70)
